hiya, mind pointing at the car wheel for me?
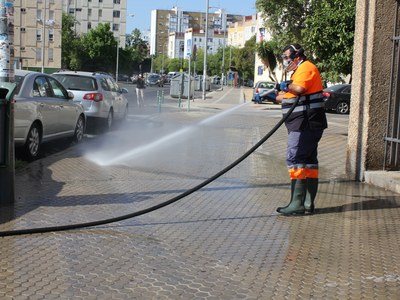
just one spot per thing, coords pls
(125, 114)
(79, 130)
(342, 108)
(32, 144)
(110, 120)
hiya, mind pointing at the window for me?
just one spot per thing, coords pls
(100, 13)
(22, 49)
(39, 54)
(57, 88)
(38, 35)
(41, 87)
(23, 10)
(89, 12)
(115, 27)
(117, 1)
(50, 54)
(51, 35)
(104, 84)
(116, 13)
(89, 25)
(100, 1)
(22, 29)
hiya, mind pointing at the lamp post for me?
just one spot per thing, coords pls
(117, 62)
(43, 33)
(205, 53)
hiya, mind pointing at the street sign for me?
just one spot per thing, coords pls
(189, 47)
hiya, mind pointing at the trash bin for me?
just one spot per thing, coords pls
(180, 85)
(7, 160)
(199, 83)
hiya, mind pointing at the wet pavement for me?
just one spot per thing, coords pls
(224, 241)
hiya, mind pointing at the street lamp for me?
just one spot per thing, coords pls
(117, 62)
(43, 32)
(205, 52)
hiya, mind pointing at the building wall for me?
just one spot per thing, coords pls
(89, 14)
(370, 86)
(28, 34)
(164, 22)
(261, 72)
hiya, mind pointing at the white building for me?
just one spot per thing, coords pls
(88, 14)
(166, 22)
(261, 72)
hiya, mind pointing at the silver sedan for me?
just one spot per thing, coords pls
(44, 111)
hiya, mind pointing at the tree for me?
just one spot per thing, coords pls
(335, 22)
(101, 47)
(324, 27)
(70, 42)
(246, 59)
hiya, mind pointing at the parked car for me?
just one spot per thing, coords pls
(154, 80)
(264, 91)
(248, 82)
(44, 111)
(104, 101)
(123, 78)
(337, 97)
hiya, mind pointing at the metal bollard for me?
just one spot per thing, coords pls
(159, 101)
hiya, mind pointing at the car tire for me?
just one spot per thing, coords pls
(79, 130)
(33, 141)
(125, 114)
(109, 120)
(343, 108)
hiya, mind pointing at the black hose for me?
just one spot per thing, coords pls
(155, 207)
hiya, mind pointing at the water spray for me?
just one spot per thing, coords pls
(158, 206)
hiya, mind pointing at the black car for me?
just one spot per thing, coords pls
(337, 97)
(154, 80)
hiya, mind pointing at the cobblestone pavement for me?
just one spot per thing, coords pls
(224, 241)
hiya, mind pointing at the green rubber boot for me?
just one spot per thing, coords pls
(296, 205)
(312, 188)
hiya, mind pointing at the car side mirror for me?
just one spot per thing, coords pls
(70, 95)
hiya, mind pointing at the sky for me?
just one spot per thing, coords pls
(141, 9)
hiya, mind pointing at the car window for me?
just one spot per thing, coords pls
(112, 85)
(76, 82)
(41, 87)
(104, 84)
(347, 90)
(58, 90)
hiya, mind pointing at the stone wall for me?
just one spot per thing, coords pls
(370, 86)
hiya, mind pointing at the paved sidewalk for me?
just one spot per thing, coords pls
(224, 241)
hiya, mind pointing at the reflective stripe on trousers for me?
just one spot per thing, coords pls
(301, 153)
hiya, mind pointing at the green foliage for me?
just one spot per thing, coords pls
(265, 52)
(330, 36)
(324, 27)
(245, 58)
(70, 42)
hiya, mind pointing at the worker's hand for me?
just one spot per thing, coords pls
(284, 86)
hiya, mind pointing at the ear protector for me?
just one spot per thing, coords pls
(296, 52)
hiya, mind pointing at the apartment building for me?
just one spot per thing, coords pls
(240, 32)
(261, 72)
(37, 28)
(88, 14)
(37, 34)
(166, 22)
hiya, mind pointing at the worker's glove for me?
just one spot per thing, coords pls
(284, 86)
